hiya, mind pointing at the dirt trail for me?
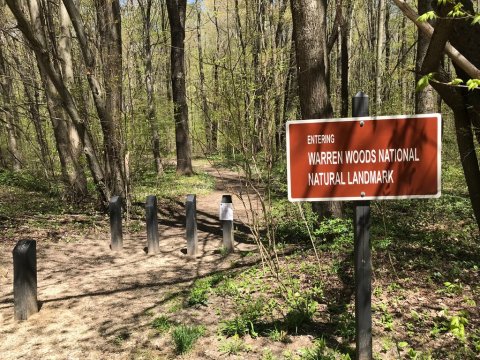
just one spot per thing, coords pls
(97, 304)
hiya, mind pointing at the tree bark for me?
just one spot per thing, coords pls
(43, 57)
(379, 57)
(424, 99)
(7, 110)
(176, 14)
(146, 8)
(109, 28)
(73, 174)
(459, 100)
(309, 32)
(209, 146)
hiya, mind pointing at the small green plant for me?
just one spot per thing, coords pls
(234, 346)
(346, 325)
(451, 288)
(236, 326)
(268, 355)
(338, 233)
(201, 288)
(301, 308)
(320, 351)
(184, 337)
(279, 335)
(161, 324)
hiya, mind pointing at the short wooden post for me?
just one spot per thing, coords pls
(25, 279)
(226, 217)
(362, 260)
(191, 224)
(115, 209)
(152, 224)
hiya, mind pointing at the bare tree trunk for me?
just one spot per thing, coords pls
(378, 56)
(7, 110)
(215, 78)
(345, 50)
(42, 54)
(209, 148)
(425, 98)
(65, 54)
(110, 30)
(176, 14)
(72, 172)
(309, 31)
(146, 7)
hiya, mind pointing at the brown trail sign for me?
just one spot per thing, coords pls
(365, 158)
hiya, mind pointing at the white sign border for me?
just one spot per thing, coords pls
(438, 117)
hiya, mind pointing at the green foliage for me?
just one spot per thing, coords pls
(236, 326)
(457, 11)
(320, 351)
(337, 232)
(25, 181)
(424, 81)
(201, 288)
(279, 335)
(184, 337)
(301, 308)
(429, 15)
(234, 346)
(455, 81)
(476, 19)
(473, 84)
(170, 185)
(161, 324)
(289, 226)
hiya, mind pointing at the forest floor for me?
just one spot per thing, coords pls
(100, 304)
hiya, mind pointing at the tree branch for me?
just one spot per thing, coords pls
(452, 53)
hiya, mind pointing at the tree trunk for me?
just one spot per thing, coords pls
(42, 54)
(378, 56)
(146, 7)
(424, 99)
(110, 30)
(309, 31)
(72, 172)
(209, 147)
(176, 14)
(7, 110)
(465, 105)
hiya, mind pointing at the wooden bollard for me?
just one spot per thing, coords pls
(152, 224)
(115, 209)
(25, 279)
(226, 217)
(191, 224)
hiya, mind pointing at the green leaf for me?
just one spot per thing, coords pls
(476, 19)
(442, 2)
(424, 81)
(457, 11)
(455, 82)
(402, 344)
(429, 15)
(473, 84)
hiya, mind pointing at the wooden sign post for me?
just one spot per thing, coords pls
(362, 258)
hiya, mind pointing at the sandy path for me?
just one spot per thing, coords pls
(90, 295)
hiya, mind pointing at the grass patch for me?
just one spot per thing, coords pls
(170, 185)
(201, 288)
(184, 337)
(162, 324)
